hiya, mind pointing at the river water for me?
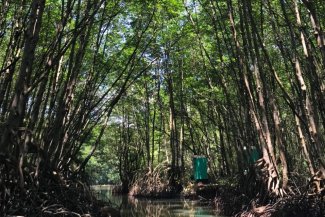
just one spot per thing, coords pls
(133, 207)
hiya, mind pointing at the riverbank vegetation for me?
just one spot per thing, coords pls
(96, 91)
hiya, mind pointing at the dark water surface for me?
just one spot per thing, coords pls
(133, 207)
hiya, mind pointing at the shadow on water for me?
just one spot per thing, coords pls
(134, 207)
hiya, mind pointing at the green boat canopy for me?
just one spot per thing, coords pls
(200, 167)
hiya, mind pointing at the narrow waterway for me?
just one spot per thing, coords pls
(133, 207)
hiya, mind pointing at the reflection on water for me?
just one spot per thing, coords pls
(133, 207)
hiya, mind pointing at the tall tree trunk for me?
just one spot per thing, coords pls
(21, 93)
(18, 104)
(172, 126)
(147, 125)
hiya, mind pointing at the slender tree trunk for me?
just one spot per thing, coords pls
(147, 125)
(18, 104)
(302, 142)
(318, 32)
(158, 102)
(280, 142)
(172, 125)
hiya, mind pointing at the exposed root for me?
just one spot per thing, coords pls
(49, 195)
(260, 211)
(154, 183)
(298, 206)
(268, 175)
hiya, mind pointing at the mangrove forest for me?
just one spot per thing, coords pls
(221, 101)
